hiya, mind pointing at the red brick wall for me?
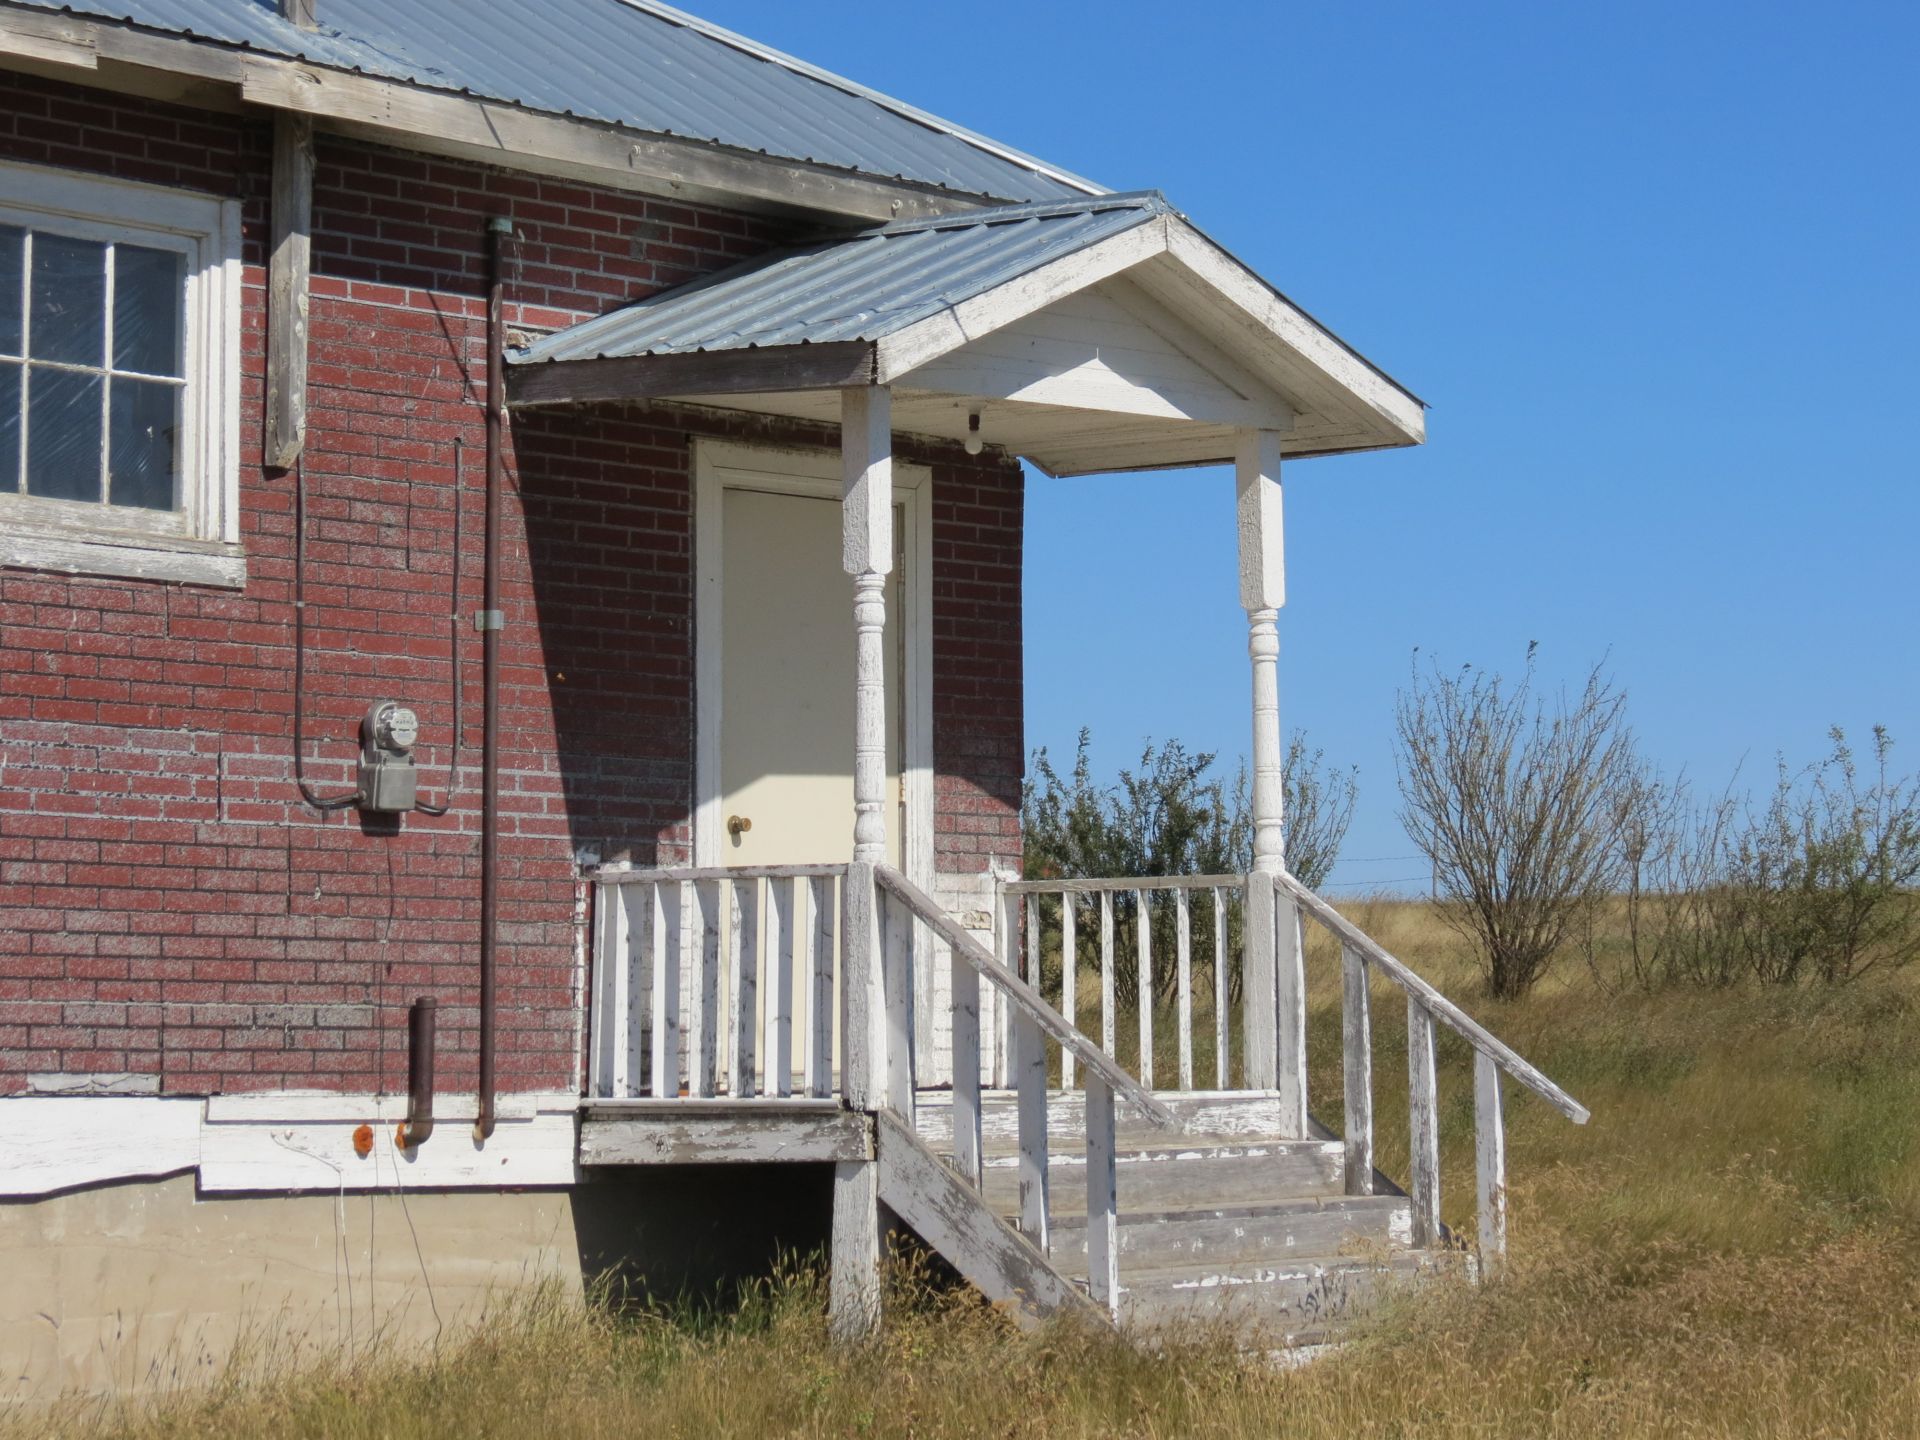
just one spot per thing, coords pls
(166, 904)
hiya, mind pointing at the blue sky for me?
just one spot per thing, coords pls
(1656, 268)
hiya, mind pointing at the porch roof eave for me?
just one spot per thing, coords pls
(1092, 337)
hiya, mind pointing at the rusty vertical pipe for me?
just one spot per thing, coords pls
(421, 1016)
(499, 232)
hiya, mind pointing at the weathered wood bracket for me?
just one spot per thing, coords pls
(288, 290)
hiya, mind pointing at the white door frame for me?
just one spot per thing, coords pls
(719, 465)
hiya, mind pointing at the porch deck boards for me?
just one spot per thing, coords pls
(722, 1132)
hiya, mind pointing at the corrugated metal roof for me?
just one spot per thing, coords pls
(856, 288)
(635, 63)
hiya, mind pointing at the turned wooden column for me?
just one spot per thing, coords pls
(866, 447)
(1274, 982)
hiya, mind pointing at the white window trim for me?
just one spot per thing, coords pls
(202, 545)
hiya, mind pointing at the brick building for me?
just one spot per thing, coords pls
(248, 251)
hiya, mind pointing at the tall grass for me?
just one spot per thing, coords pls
(1730, 1248)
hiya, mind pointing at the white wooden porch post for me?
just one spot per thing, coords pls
(866, 447)
(1274, 981)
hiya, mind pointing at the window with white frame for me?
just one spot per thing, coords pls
(118, 378)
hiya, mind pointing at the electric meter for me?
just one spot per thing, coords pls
(389, 782)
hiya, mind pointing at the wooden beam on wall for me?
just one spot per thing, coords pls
(287, 290)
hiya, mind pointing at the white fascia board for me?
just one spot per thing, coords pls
(1402, 417)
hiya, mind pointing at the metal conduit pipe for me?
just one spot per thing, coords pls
(420, 1039)
(499, 234)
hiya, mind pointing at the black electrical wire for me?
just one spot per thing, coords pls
(453, 637)
(318, 802)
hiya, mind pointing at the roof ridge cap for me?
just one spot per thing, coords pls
(759, 51)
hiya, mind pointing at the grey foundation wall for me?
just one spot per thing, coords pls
(144, 1286)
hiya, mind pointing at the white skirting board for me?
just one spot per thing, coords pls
(280, 1143)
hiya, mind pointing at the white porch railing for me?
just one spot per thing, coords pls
(907, 917)
(732, 982)
(1040, 906)
(1425, 1005)
(714, 982)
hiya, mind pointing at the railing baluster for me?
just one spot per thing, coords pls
(820, 999)
(1183, 918)
(1257, 995)
(743, 960)
(1030, 961)
(1222, 987)
(1031, 1075)
(778, 1002)
(665, 1077)
(1109, 1039)
(599, 1055)
(1143, 948)
(966, 1067)
(1490, 1156)
(1290, 1040)
(1069, 963)
(1103, 1198)
(1356, 1033)
(1007, 943)
(705, 1056)
(1423, 1101)
(635, 1032)
(896, 984)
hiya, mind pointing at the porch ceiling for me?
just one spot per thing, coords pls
(1098, 335)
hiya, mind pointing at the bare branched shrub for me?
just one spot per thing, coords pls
(1817, 884)
(1520, 807)
(1672, 907)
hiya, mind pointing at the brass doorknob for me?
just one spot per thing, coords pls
(738, 825)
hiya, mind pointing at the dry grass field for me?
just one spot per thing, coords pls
(1730, 1248)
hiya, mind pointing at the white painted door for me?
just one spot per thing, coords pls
(787, 671)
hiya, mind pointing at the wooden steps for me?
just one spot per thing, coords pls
(1215, 1238)
(1220, 1223)
(1302, 1301)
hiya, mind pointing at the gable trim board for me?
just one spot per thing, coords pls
(1005, 310)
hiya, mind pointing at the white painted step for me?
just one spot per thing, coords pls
(1286, 1303)
(1181, 1175)
(1220, 1115)
(1218, 1239)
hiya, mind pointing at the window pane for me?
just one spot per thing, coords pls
(9, 428)
(63, 434)
(69, 300)
(12, 248)
(145, 428)
(149, 295)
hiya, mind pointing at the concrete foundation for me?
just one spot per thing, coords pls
(146, 1286)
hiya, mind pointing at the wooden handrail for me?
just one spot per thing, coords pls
(1083, 1049)
(1438, 1005)
(621, 874)
(1084, 886)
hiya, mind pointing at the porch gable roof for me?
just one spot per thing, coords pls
(1114, 305)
